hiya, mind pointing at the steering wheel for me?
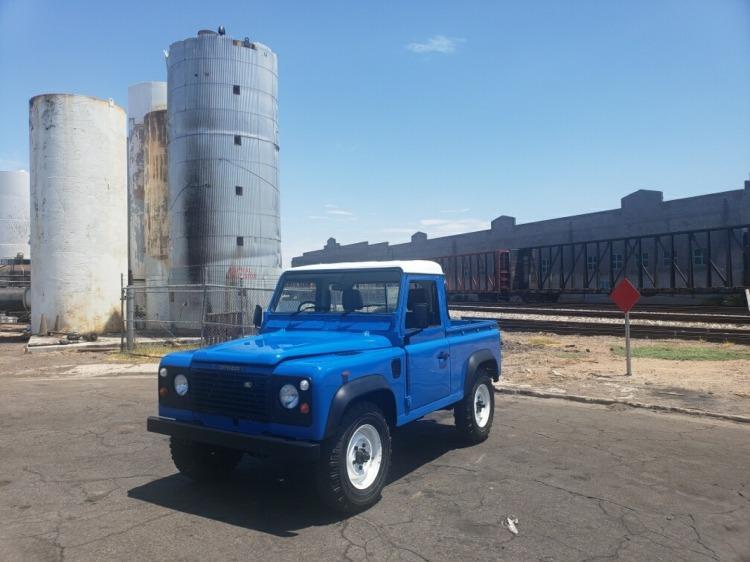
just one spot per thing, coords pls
(304, 306)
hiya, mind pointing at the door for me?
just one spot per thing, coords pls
(427, 353)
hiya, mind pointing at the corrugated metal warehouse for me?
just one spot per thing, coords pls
(691, 244)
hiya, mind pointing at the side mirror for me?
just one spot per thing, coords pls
(258, 316)
(421, 320)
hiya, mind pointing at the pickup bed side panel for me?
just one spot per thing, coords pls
(464, 345)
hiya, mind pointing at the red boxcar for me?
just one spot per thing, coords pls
(477, 273)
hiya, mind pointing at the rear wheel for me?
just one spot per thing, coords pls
(355, 461)
(202, 462)
(475, 413)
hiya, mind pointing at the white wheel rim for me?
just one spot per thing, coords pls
(482, 405)
(364, 455)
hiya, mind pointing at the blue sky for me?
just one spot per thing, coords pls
(434, 116)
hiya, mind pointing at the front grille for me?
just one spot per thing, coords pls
(227, 393)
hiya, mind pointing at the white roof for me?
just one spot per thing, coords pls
(407, 266)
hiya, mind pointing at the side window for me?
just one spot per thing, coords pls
(423, 292)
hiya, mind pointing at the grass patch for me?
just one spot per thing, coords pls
(684, 353)
(151, 351)
(542, 341)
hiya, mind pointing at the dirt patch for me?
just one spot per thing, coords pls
(594, 366)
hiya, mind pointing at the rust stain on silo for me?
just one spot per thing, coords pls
(156, 227)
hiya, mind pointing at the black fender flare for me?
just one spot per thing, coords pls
(349, 392)
(472, 366)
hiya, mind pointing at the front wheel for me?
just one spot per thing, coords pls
(355, 461)
(474, 414)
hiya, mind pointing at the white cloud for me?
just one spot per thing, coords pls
(336, 212)
(436, 44)
(445, 227)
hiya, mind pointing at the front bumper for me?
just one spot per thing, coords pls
(259, 444)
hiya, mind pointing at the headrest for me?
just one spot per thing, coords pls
(351, 299)
(416, 296)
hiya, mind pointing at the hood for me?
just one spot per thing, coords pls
(275, 347)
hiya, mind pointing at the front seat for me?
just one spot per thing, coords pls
(351, 299)
(416, 296)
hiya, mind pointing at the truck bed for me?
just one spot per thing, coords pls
(465, 326)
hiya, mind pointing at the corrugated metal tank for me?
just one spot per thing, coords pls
(156, 214)
(142, 98)
(78, 212)
(223, 161)
(14, 214)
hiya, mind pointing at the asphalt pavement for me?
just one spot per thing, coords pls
(81, 479)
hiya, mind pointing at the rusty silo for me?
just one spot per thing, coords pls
(142, 98)
(223, 161)
(156, 214)
(78, 212)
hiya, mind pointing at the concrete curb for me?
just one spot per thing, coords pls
(631, 404)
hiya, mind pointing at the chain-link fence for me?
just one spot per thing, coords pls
(199, 314)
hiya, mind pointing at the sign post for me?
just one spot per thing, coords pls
(625, 295)
(628, 367)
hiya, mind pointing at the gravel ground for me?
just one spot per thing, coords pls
(588, 366)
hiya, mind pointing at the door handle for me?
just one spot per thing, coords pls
(443, 355)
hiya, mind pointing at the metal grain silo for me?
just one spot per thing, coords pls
(223, 161)
(142, 98)
(14, 214)
(78, 212)
(156, 215)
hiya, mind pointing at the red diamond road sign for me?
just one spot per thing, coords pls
(625, 295)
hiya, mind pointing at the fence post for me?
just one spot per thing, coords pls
(130, 293)
(203, 313)
(243, 304)
(122, 313)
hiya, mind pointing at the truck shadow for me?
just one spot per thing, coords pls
(278, 497)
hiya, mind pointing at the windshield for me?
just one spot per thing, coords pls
(341, 292)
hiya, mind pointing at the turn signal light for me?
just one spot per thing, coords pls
(163, 391)
(304, 408)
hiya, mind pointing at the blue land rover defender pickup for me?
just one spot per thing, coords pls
(344, 353)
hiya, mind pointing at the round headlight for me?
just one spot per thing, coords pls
(181, 385)
(163, 372)
(288, 396)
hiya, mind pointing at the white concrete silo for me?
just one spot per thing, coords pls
(14, 214)
(142, 99)
(78, 212)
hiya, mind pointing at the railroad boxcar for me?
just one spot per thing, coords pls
(478, 274)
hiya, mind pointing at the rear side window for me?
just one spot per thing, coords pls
(423, 292)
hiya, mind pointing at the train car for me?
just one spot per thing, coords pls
(479, 275)
(706, 261)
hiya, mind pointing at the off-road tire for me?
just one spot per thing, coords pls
(463, 413)
(334, 485)
(202, 462)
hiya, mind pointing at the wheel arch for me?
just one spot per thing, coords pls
(373, 388)
(481, 361)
